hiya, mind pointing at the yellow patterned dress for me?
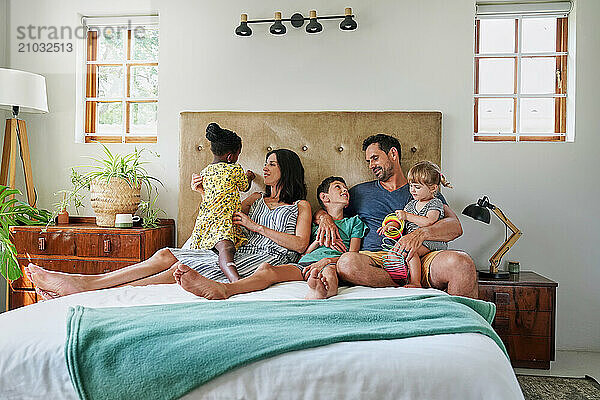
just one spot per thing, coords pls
(222, 184)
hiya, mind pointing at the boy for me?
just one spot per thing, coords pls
(318, 262)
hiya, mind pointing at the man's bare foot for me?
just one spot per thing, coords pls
(54, 284)
(45, 295)
(195, 283)
(316, 287)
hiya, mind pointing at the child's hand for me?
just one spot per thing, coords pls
(401, 214)
(251, 175)
(196, 183)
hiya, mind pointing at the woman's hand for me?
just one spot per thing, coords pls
(251, 175)
(239, 218)
(196, 183)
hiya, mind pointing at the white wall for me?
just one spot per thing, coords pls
(406, 55)
(4, 29)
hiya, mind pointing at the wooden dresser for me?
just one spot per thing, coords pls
(525, 317)
(82, 247)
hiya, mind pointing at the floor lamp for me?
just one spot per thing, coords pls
(20, 91)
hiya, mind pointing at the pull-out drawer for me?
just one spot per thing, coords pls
(108, 245)
(47, 243)
(518, 298)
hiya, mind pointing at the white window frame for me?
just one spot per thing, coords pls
(518, 12)
(98, 23)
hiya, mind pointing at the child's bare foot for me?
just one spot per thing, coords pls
(330, 281)
(316, 287)
(195, 283)
(53, 284)
(412, 285)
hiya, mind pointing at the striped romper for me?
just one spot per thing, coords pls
(257, 250)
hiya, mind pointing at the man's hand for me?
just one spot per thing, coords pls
(319, 265)
(328, 234)
(409, 244)
(196, 183)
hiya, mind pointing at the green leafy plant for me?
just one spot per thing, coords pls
(14, 212)
(129, 167)
(150, 213)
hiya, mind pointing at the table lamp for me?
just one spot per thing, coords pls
(25, 92)
(481, 213)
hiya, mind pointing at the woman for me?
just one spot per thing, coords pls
(279, 225)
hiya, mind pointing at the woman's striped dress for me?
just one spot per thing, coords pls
(259, 248)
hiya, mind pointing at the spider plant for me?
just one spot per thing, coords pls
(14, 212)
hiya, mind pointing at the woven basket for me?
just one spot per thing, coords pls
(111, 198)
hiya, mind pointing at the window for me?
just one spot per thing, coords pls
(520, 73)
(121, 80)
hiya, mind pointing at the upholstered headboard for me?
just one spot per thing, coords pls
(328, 143)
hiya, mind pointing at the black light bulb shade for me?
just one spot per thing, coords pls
(348, 24)
(314, 26)
(277, 28)
(478, 213)
(243, 29)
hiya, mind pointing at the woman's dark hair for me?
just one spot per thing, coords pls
(222, 141)
(291, 182)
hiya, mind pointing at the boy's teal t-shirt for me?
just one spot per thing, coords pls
(349, 228)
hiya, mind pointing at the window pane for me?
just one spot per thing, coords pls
(539, 35)
(497, 35)
(111, 44)
(144, 44)
(495, 115)
(110, 81)
(496, 76)
(143, 118)
(538, 75)
(537, 116)
(110, 118)
(144, 81)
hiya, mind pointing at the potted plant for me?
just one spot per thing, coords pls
(115, 183)
(14, 212)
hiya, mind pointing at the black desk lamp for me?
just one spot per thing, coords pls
(481, 213)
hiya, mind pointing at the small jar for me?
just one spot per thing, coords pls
(514, 267)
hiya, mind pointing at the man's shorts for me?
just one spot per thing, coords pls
(377, 257)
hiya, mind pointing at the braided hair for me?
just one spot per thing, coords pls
(222, 141)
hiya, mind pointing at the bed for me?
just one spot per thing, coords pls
(463, 365)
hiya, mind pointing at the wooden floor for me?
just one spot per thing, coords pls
(570, 364)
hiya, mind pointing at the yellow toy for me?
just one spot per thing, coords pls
(394, 233)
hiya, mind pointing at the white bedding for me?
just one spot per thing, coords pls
(456, 366)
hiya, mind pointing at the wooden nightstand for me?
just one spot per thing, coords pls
(525, 317)
(82, 247)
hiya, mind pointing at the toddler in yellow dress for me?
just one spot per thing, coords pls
(221, 181)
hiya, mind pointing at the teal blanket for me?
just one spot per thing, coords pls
(165, 351)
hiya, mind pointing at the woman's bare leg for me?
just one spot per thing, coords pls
(264, 276)
(57, 284)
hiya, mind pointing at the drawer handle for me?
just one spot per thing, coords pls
(501, 298)
(42, 243)
(107, 245)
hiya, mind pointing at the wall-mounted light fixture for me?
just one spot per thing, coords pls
(297, 20)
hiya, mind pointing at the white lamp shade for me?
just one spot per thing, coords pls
(23, 89)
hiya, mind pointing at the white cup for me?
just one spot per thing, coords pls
(125, 220)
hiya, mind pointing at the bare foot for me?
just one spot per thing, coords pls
(330, 281)
(195, 283)
(316, 288)
(45, 295)
(54, 284)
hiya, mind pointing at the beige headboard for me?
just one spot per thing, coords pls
(328, 143)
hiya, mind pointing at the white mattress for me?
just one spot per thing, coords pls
(456, 366)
